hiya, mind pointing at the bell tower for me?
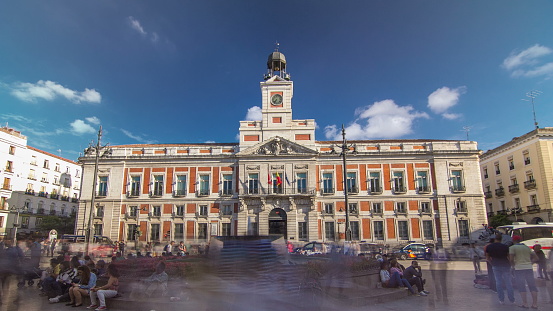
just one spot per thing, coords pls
(277, 91)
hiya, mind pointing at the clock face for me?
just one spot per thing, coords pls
(276, 100)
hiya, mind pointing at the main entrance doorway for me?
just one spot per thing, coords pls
(277, 222)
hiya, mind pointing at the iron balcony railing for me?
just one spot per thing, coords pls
(530, 184)
(533, 208)
(423, 189)
(500, 192)
(458, 188)
(277, 191)
(488, 194)
(513, 188)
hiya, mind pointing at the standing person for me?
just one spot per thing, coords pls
(521, 257)
(497, 254)
(542, 262)
(53, 247)
(290, 247)
(122, 248)
(475, 257)
(107, 291)
(36, 251)
(491, 276)
(438, 265)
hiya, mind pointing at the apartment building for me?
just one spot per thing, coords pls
(518, 178)
(35, 183)
(279, 180)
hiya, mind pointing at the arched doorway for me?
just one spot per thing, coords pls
(536, 220)
(277, 222)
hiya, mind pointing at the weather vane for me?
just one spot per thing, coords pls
(276, 46)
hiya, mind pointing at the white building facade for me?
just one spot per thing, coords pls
(278, 180)
(35, 184)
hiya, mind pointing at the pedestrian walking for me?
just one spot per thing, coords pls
(497, 254)
(522, 257)
(542, 262)
(475, 257)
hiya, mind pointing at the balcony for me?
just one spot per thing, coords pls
(99, 215)
(276, 191)
(376, 212)
(530, 184)
(44, 180)
(177, 214)
(502, 212)
(102, 194)
(31, 178)
(327, 191)
(399, 189)
(7, 187)
(40, 211)
(526, 161)
(490, 214)
(65, 198)
(533, 208)
(133, 194)
(423, 189)
(514, 188)
(154, 215)
(74, 200)
(516, 211)
(425, 211)
(130, 215)
(226, 193)
(461, 211)
(179, 193)
(458, 189)
(202, 193)
(400, 211)
(375, 190)
(488, 194)
(155, 194)
(53, 212)
(201, 214)
(500, 192)
(30, 192)
(43, 194)
(353, 190)
(225, 214)
(54, 196)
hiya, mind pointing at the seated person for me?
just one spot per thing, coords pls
(107, 291)
(413, 275)
(393, 280)
(155, 282)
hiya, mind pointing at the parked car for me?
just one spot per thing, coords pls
(371, 250)
(413, 251)
(313, 248)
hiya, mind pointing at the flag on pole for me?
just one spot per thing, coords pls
(286, 178)
(269, 179)
(279, 181)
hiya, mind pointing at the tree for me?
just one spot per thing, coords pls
(499, 220)
(64, 225)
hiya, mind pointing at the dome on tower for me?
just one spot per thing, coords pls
(276, 61)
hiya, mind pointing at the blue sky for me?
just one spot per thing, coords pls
(189, 71)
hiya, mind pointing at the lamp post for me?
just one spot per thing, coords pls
(105, 151)
(137, 232)
(17, 211)
(345, 148)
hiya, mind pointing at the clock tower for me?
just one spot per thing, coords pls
(277, 91)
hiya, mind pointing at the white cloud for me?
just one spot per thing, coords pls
(527, 64)
(135, 24)
(49, 90)
(383, 119)
(442, 99)
(526, 57)
(138, 138)
(209, 141)
(254, 114)
(93, 120)
(80, 127)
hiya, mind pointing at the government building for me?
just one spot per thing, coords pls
(518, 177)
(279, 180)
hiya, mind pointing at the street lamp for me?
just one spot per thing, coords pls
(17, 211)
(137, 232)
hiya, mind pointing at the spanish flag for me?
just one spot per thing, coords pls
(269, 179)
(279, 181)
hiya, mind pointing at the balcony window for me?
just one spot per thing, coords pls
(132, 232)
(179, 210)
(374, 182)
(225, 229)
(9, 166)
(328, 183)
(133, 211)
(179, 232)
(253, 183)
(7, 184)
(352, 209)
(32, 175)
(511, 164)
(328, 208)
(202, 210)
(302, 231)
(398, 182)
(154, 232)
(226, 210)
(227, 184)
(202, 231)
(457, 181)
(403, 230)
(486, 173)
(98, 229)
(204, 185)
(351, 182)
(530, 182)
(156, 211)
(180, 186)
(378, 230)
(103, 186)
(12, 150)
(526, 156)
(46, 164)
(377, 208)
(425, 208)
(99, 211)
(401, 208)
(428, 229)
(301, 182)
(330, 234)
(461, 206)
(422, 181)
(135, 186)
(354, 228)
(463, 228)
(277, 183)
(534, 199)
(497, 170)
(158, 186)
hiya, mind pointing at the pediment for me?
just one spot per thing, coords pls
(278, 146)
